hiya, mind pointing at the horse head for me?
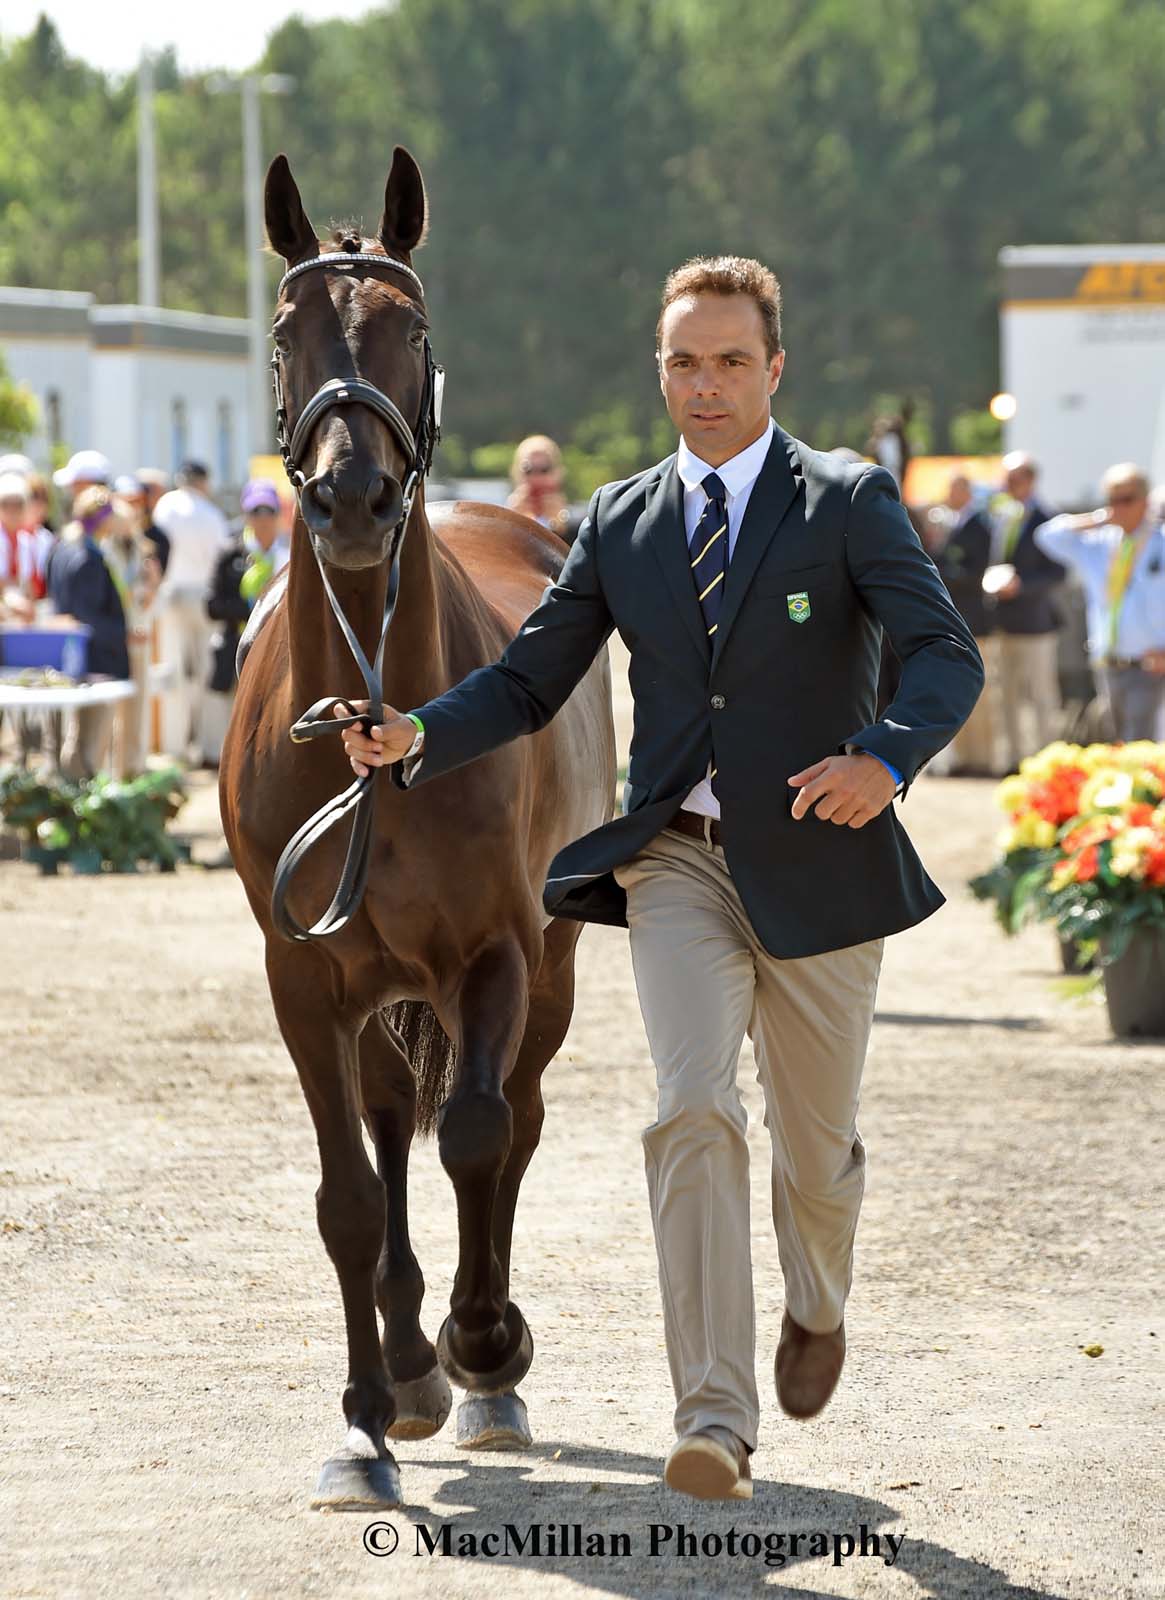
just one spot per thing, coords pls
(352, 365)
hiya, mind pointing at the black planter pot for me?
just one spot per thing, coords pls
(1134, 988)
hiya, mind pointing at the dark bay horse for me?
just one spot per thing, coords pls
(447, 993)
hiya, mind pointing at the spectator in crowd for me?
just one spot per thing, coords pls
(1119, 554)
(137, 572)
(133, 504)
(1027, 623)
(243, 570)
(154, 484)
(537, 475)
(82, 586)
(85, 469)
(889, 446)
(197, 531)
(962, 560)
(39, 505)
(24, 546)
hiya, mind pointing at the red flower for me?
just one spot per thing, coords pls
(1140, 815)
(1087, 864)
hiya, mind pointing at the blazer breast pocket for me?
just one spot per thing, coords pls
(789, 581)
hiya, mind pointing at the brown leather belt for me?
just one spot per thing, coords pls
(696, 826)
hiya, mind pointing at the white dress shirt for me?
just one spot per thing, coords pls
(738, 476)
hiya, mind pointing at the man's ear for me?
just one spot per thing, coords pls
(776, 367)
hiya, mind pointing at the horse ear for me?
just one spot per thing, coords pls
(402, 227)
(288, 227)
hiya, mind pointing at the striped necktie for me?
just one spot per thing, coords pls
(709, 552)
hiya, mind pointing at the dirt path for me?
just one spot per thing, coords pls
(172, 1352)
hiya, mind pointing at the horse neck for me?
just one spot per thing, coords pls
(321, 662)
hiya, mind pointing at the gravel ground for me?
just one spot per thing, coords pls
(173, 1352)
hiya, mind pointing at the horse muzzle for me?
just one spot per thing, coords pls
(352, 519)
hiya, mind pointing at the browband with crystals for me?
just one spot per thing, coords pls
(340, 261)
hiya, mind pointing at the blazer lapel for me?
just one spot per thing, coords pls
(663, 522)
(772, 495)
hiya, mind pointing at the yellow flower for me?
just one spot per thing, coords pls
(1108, 789)
(1062, 874)
(1028, 832)
(1129, 851)
(1011, 794)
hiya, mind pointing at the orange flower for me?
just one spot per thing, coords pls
(1088, 864)
(1139, 814)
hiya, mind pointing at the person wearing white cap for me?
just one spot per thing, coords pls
(197, 531)
(84, 469)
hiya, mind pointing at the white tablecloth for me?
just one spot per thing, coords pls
(15, 698)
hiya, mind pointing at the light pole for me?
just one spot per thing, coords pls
(149, 273)
(253, 86)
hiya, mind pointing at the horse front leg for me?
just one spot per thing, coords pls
(350, 1210)
(423, 1396)
(484, 1344)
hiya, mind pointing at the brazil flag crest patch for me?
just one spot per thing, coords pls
(799, 607)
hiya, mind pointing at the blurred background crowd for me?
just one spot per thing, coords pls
(895, 169)
(1068, 609)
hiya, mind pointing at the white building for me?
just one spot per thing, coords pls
(144, 386)
(1082, 349)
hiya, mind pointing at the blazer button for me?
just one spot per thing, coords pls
(718, 702)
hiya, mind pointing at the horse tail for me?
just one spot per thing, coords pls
(432, 1053)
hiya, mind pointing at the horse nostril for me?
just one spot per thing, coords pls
(317, 502)
(382, 497)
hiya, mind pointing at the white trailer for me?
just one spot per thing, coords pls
(1082, 350)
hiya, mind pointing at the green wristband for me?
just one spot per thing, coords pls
(416, 721)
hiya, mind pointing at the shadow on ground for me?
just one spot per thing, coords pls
(493, 1490)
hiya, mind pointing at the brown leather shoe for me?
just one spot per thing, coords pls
(711, 1464)
(808, 1366)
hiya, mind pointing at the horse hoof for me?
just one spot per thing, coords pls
(358, 1479)
(512, 1370)
(422, 1406)
(493, 1422)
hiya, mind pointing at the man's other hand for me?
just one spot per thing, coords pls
(847, 790)
(382, 745)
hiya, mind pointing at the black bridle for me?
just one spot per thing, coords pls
(317, 721)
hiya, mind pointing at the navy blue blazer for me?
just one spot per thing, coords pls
(826, 558)
(81, 585)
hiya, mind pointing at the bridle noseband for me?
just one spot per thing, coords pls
(318, 720)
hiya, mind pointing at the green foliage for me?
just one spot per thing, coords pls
(876, 153)
(976, 433)
(119, 824)
(1013, 885)
(18, 409)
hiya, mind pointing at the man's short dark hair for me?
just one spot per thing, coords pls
(727, 275)
(191, 472)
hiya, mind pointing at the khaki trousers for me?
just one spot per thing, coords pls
(704, 980)
(186, 634)
(1029, 676)
(974, 744)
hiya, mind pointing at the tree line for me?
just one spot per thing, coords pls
(876, 153)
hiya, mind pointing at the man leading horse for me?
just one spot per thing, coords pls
(758, 863)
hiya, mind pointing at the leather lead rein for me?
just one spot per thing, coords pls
(316, 722)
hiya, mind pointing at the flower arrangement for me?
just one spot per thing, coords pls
(1084, 847)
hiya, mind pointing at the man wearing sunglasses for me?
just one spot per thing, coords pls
(1119, 553)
